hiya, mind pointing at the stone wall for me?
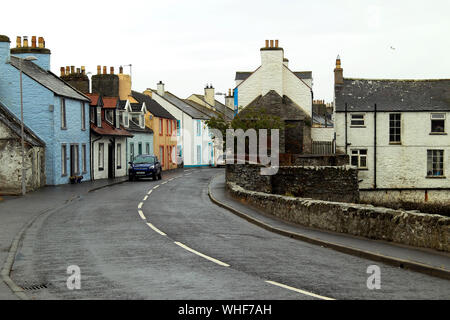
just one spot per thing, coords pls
(405, 227)
(333, 183)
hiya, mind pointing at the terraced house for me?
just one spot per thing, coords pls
(396, 133)
(56, 112)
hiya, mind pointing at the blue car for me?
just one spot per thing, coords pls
(144, 166)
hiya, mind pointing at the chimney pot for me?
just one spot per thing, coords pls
(276, 43)
(33, 41)
(25, 41)
(99, 68)
(83, 69)
(41, 42)
(78, 70)
(120, 69)
(67, 70)
(63, 71)
(111, 69)
(104, 69)
(267, 43)
(19, 42)
(271, 43)
(72, 69)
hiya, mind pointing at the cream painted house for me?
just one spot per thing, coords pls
(396, 133)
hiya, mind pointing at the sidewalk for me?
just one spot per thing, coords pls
(418, 259)
(16, 212)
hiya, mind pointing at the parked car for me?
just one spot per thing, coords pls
(143, 166)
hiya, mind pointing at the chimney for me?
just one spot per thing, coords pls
(271, 43)
(104, 69)
(276, 43)
(41, 42)
(63, 72)
(121, 70)
(160, 88)
(338, 72)
(78, 71)
(99, 69)
(25, 41)
(267, 43)
(67, 70)
(19, 42)
(209, 95)
(229, 100)
(111, 70)
(83, 70)
(72, 69)
(33, 41)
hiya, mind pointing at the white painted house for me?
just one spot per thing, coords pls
(396, 133)
(194, 143)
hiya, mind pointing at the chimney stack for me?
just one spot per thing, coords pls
(338, 72)
(25, 41)
(111, 70)
(99, 69)
(33, 41)
(160, 88)
(63, 73)
(19, 42)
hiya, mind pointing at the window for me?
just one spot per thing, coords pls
(63, 160)
(147, 148)
(179, 151)
(178, 127)
(109, 116)
(101, 155)
(435, 163)
(83, 117)
(394, 128)
(359, 158)
(76, 157)
(161, 127)
(63, 114)
(83, 158)
(126, 122)
(99, 117)
(131, 151)
(167, 127)
(199, 128)
(161, 155)
(92, 114)
(139, 148)
(199, 154)
(119, 156)
(170, 127)
(357, 120)
(438, 123)
(169, 154)
(117, 119)
(141, 121)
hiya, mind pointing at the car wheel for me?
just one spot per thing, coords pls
(159, 176)
(154, 176)
(130, 177)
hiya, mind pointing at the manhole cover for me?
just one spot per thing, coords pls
(35, 287)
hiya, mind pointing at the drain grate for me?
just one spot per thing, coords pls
(36, 287)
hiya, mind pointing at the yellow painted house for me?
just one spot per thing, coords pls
(164, 127)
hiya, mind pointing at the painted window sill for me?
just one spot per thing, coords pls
(438, 133)
(395, 143)
(100, 169)
(436, 177)
(357, 126)
(363, 169)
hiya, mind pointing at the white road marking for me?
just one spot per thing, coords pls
(142, 215)
(156, 187)
(156, 229)
(164, 182)
(145, 198)
(202, 255)
(150, 192)
(299, 291)
(140, 205)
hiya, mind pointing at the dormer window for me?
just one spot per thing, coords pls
(117, 119)
(99, 117)
(109, 116)
(141, 121)
(126, 121)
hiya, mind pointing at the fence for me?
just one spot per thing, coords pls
(322, 147)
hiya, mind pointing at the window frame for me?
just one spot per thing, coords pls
(131, 151)
(99, 117)
(434, 120)
(161, 126)
(391, 127)
(63, 114)
(363, 115)
(441, 163)
(83, 116)
(63, 160)
(178, 127)
(119, 156)
(83, 157)
(359, 156)
(101, 156)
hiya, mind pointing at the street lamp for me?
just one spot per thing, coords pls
(30, 58)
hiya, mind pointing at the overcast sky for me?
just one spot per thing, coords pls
(187, 44)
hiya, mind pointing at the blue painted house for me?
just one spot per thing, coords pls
(55, 111)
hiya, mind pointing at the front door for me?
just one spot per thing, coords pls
(72, 160)
(111, 161)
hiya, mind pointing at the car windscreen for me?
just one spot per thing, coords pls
(144, 159)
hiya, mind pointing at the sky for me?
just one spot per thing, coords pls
(188, 44)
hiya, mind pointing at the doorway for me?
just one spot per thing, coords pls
(111, 161)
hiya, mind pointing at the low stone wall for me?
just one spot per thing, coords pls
(405, 227)
(331, 183)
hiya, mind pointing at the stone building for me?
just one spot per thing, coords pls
(11, 156)
(396, 133)
(54, 110)
(273, 87)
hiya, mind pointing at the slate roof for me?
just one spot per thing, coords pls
(109, 130)
(14, 124)
(393, 95)
(209, 112)
(154, 107)
(219, 107)
(48, 80)
(134, 127)
(243, 75)
(183, 106)
(110, 102)
(136, 107)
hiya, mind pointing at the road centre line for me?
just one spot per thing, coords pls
(299, 290)
(142, 215)
(140, 205)
(145, 198)
(201, 254)
(149, 192)
(156, 187)
(156, 229)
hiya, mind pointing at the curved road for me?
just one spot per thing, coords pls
(135, 241)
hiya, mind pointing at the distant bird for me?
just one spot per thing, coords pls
(392, 48)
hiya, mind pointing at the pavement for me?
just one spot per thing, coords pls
(17, 211)
(166, 239)
(423, 259)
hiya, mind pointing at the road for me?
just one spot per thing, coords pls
(167, 240)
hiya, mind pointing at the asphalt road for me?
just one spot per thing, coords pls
(188, 248)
